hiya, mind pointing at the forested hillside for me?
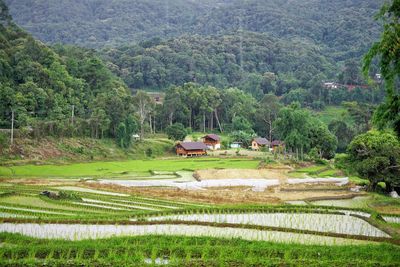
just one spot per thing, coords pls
(56, 92)
(256, 63)
(345, 28)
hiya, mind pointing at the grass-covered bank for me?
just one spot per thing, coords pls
(116, 168)
(187, 251)
(54, 150)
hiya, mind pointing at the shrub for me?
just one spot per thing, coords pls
(176, 131)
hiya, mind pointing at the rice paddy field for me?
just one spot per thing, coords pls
(56, 216)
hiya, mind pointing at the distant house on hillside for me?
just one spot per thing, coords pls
(191, 149)
(259, 143)
(331, 85)
(277, 144)
(212, 141)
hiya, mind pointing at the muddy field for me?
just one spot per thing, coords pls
(271, 173)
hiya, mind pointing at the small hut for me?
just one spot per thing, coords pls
(259, 143)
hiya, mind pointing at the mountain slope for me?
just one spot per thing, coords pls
(344, 27)
(42, 86)
(255, 62)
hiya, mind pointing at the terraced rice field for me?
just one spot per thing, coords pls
(108, 227)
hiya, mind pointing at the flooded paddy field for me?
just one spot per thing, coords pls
(330, 223)
(79, 232)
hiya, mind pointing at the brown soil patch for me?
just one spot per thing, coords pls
(211, 174)
(225, 195)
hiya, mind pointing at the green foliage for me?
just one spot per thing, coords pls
(334, 25)
(176, 131)
(60, 91)
(376, 156)
(242, 60)
(343, 132)
(241, 136)
(302, 132)
(240, 123)
(388, 50)
(205, 251)
(68, 195)
(125, 131)
(121, 135)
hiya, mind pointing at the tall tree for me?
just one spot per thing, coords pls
(144, 105)
(388, 50)
(266, 114)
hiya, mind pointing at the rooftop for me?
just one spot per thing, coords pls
(261, 141)
(213, 137)
(193, 145)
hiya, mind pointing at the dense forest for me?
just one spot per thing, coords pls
(256, 63)
(56, 91)
(345, 28)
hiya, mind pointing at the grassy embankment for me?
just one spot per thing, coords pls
(55, 150)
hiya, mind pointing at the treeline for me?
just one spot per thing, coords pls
(59, 91)
(230, 110)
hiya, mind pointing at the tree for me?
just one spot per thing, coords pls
(388, 50)
(266, 114)
(121, 135)
(343, 132)
(323, 140)
(243, 137)
(293, 126)
(176, 131)
(144, 106)
(240, 123)
(376, 156)
(361, 114)
(302, 132)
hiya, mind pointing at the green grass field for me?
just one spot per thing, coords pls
(117, 168)
(187, 251)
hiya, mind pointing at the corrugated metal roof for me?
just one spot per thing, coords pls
(261, 141)
(277, 143)
(213, 137)
(193, 145)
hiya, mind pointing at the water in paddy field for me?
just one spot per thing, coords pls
(329, 223)
(80, 232)
(356, 202)
(191, 184)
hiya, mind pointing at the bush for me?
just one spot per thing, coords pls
(176, 131)
(149, 152)
(4, 140)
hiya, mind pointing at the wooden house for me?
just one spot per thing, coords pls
(191, 149)
(212, 141)
(276, 144)
(259, 143)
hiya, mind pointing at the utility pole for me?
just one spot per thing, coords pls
(12, 127)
